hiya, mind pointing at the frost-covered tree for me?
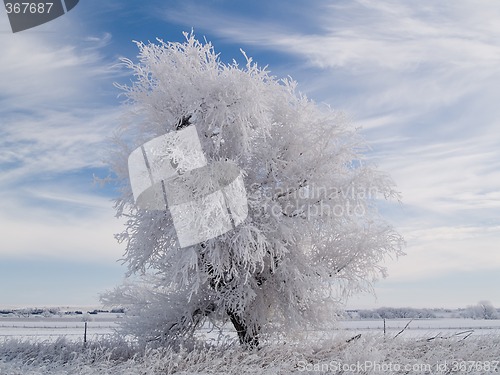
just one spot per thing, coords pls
(312, 236)
(483, 310)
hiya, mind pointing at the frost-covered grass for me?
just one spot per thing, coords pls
(368, 354)
(33, 346)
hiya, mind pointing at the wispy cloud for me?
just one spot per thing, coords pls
(56, 114)
(424, 80)
(47, 142)
(447, 250)
(58, 224)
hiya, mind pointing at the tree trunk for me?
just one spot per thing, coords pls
(247, 338)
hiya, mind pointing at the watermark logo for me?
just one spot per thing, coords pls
(25, 15)
(309, 201)
(171, 172)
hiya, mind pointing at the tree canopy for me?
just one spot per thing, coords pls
(313, 234)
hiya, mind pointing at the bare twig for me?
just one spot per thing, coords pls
(291, 191)
(354, 338)
(468, 335)
(433, 338)
(461, 333)
(406, 326)
(469, 332)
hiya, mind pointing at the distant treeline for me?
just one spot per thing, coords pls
(55, 311)
(482, 310)
(393, 313)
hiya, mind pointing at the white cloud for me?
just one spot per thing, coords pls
(424, 79)
(47, 142)
(54, 116)
(59, 224)
(39, 73)
(448, 178)
(57, 108)
(446, 250)
(99, 41)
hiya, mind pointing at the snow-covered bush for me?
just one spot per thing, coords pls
(313, 235)
(483, 310)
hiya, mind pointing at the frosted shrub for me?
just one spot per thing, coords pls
(312, 235)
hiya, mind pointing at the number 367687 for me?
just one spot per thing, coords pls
(32, 8)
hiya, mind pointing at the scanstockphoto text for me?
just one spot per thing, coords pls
(444, 366)
(311, 201)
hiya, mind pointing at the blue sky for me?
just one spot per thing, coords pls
(423, 82)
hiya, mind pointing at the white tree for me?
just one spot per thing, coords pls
(483, 310)
(312, 235)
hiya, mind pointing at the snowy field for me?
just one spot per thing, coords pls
(72, 327)
(39, 328)
(424, 328)
(54, 345)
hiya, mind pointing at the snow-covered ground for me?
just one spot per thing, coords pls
(104, 324)
(55, 326)
(53, 345)
(423, 327)
(72, 328)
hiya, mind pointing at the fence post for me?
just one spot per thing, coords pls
(85, 335)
